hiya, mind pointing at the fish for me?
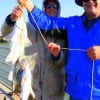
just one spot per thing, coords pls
(26, 82)
(18, 41)
(18, 38)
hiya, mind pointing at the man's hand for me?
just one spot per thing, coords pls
(94, 52)
(16, 13)
(27, 4)
(54, 49)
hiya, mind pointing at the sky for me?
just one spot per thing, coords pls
(68, 8)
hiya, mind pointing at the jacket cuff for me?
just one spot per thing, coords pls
(9, 21)
(56, 58)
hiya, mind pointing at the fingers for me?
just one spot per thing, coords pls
(21, 2)
(16, 13)
(54, 49)
(28, 4)
(91, 53)
(94, 52)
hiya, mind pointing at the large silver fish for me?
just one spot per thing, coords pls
(18, 41)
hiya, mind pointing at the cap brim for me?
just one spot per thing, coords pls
(79, 2)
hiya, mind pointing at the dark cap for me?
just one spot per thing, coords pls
(79, 2)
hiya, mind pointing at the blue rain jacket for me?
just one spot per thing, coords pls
(79, 66)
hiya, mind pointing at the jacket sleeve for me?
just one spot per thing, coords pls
(7, 26)
(61, 59)
(46, 22)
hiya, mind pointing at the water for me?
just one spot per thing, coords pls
(4, 66)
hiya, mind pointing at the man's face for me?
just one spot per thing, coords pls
(51, 9)
(92, 6)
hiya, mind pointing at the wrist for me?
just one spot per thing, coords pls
(56, 57)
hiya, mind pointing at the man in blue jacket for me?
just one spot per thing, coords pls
(83, 67)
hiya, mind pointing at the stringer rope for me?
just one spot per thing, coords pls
(39, 29)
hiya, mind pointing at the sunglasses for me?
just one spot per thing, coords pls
(49, 6)
(88, 0)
